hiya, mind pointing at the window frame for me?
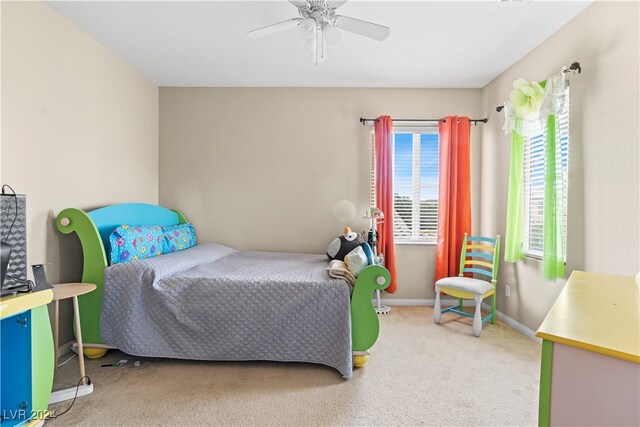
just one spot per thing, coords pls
(563, 128)
(416, 130)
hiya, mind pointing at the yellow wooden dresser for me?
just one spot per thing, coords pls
(590, 373)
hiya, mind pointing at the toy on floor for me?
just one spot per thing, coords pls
(342, 245)
(376, 216)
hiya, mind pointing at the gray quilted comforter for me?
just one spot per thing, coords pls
(212, 302)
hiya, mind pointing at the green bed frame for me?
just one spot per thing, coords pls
(94, 227)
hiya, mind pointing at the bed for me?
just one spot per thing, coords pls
(213, 302)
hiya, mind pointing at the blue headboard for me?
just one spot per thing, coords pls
(93, 229)
(108, 218)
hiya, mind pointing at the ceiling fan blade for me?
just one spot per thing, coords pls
(363, 28)
(273, 28)
(298, 3)
(336, 4)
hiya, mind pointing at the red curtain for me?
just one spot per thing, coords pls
(454, 196)
(384, 194)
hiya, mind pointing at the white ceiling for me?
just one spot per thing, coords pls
(432, 44)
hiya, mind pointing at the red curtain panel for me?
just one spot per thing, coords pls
(454, 196)
(384, 193)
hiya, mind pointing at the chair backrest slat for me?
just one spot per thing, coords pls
(482, 239)
(479, 255)
(478, 271)
(478, 262)
(485, 248)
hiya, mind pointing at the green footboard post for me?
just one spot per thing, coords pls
(364, 320)
(95, 261)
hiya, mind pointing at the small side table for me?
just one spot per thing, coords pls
(60, 292)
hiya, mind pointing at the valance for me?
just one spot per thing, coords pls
(552, 102)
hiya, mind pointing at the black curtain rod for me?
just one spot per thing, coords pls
(474, 121)
(575, 66)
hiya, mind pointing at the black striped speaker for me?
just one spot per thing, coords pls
(13, 234)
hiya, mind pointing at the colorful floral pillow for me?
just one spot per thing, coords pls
(132, 242)
(178, 237)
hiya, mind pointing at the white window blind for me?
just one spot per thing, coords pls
(415, 175)
(534, 173)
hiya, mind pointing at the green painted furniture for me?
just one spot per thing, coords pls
(365, 326)
(26, 358)
(479, 256)
(590, 366)
(93, 229)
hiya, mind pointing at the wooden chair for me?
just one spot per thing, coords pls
(480, 255)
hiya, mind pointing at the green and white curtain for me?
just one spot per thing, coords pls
(532, 108)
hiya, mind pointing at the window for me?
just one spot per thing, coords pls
(533, 174)
(415, 184)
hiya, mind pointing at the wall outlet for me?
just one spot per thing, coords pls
(507, 290)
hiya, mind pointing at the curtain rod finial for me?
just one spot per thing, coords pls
(575, 66)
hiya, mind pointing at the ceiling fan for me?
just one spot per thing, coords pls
(318, 25)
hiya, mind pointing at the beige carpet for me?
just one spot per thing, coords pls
(419, 374)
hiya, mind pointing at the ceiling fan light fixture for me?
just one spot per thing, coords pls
(308, 28)
(309, 44)
(331, 34)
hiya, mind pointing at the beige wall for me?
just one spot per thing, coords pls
(262, 168)
(603, 209)
(79, 129)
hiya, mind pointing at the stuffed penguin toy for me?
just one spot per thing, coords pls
(341, 246)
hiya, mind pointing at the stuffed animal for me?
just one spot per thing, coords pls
(356, 260)
(368, 252)
(341, 246)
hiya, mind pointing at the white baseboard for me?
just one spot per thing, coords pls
(467, 303)
(514, 324)
(65, 348)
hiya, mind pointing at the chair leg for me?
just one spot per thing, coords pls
(493, 309)
(436, 307)
(460, 303)
(477, 318)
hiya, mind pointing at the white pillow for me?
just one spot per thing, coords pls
(356, 260)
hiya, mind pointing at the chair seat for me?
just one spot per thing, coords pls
(466, 284)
